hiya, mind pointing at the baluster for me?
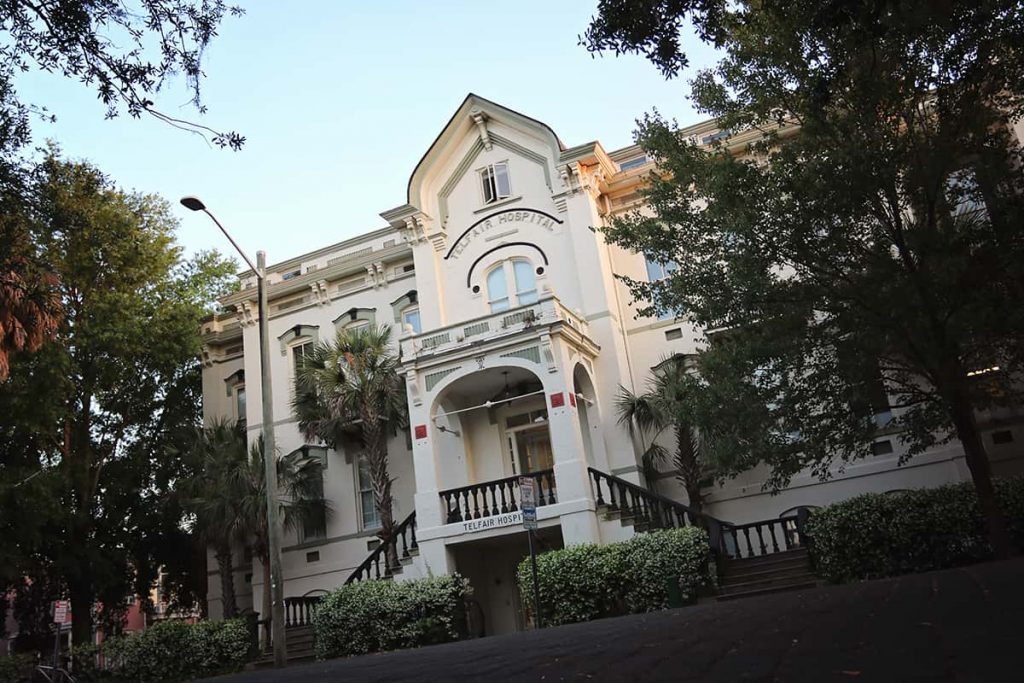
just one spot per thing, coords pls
(405, 543)
(612, 504)
(597, 485)
(501, 491)
(775, 542)
(786, 535)
(552, 494)
(750, 548)
(760, 540)
(494, 499)
(467, 514)
(736, 543)
(476, 503)
(376, 567)
(513, 505)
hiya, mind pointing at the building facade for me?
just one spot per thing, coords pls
(515, 336)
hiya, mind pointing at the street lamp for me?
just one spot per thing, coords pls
(269, 444)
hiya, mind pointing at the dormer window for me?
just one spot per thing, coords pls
(495, 183)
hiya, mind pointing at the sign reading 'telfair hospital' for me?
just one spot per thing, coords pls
(507, 519)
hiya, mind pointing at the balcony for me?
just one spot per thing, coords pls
(493, 498)
(546, 314)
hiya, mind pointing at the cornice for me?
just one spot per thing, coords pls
(338, 271)
(323, 251)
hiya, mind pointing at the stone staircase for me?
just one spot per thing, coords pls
(755, 558)
(299, 641)
(773, 573)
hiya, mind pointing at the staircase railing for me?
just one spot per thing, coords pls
(387, 556)
(654, 510)
(495, 497)
(299, 611)
(768, 536)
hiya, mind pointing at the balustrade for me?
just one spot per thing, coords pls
(387, 556)
(496, 497)
(299, 611)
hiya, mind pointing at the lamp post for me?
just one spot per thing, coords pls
(269, 445)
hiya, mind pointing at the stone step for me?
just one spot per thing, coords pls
(771, 571)
(766, 591)
(794, 557)
(732, 587)
(734, 571)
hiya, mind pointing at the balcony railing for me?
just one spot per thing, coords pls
(546, 311)
(496, 497)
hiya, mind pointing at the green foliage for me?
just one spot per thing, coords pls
(95, 421)
(178, 651)
(667, 406)
(16, 668)
(374, 616)
(586, 582)
(351, 385)
(850, 221)
(875, 535)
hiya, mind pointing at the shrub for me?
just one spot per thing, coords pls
(177, 651)
(15, 668)
(875, 535)
(373, 616)
(585, 582)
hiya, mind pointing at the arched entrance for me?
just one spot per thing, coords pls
(589, 417)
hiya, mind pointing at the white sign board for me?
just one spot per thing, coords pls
(528, 502)
(60, 611)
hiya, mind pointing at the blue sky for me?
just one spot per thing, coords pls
(339, 100)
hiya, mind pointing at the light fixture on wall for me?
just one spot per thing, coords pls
(446, 430)
(584, 399)
(540, 419)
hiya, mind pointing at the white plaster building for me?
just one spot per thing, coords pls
(514, 337)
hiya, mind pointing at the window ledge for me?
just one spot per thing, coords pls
(500, 202)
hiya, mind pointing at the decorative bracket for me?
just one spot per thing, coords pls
(480, 119)
(321, 292)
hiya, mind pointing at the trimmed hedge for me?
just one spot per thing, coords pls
(16, 668)
(876, 535)
(373, 616)
(585, 582)
(178, 651)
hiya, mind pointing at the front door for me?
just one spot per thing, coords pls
(533, 447)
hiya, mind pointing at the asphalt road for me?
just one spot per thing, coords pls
(957, 625)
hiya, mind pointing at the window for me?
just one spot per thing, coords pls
(411, 317)
(656, 272)
(370, 516)
(494, 180)
(299, 354)
(316, 527)
(635, 162)
(240, 403)
(517, 276)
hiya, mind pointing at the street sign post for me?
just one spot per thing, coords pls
(60, 616)
(528, 504)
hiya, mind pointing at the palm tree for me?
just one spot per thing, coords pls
(300, 502)
(230, 504)
(218, 450)
(351, 386)
(665, 408)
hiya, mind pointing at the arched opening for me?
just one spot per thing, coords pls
(589, 416)
(490, 425)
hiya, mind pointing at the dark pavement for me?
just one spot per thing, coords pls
(956, 625)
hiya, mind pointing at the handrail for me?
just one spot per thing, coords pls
(495, 497)
(654, 509)
(404, 532)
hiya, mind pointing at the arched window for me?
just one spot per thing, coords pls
(511, 283)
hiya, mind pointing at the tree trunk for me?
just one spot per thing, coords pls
(377, 454)
(267, 607)
(82, 599)
(688, 466)
(981, 472)
(227, 581)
